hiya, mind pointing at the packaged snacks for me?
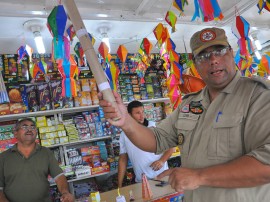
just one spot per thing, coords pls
(44, 96)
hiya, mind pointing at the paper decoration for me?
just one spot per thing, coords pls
(147, 193)
(191, 84)
(71, 32)
(23, 51)
(264, 65)
(208, 10)
(158, 31)
(179, 5)
(175, 96)
(80, 54)
(263, 4)
(170, 45)
(171, 20)
(240, 29)
(103, 50)
(122, 53)
(57, 21)
(146, 46)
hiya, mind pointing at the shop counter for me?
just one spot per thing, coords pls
(160, 193)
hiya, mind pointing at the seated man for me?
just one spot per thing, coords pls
(25, 167)
(142, 162)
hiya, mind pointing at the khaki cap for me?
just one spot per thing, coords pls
(206, 38)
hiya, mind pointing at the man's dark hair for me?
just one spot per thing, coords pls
(135, 104)
(18, 124)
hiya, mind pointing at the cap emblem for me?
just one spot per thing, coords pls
(207, 35)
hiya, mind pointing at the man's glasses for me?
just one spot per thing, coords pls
(26, 128)
(204, 57)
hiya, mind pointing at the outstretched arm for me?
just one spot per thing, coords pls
(243, 172)
(156, 165)
(122, 167)
(138, 134)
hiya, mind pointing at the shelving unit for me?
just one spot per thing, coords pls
(72, 110)
(64, 146)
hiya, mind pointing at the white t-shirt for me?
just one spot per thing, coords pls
(141, 160)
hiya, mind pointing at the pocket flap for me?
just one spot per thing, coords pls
(187, 123)
(228, 120)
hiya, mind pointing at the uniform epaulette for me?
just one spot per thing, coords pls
(265, 82)
(194, 93)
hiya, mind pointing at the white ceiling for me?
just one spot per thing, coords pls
(128, 21)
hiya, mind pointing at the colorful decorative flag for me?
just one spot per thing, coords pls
(179, 5)
(92, 39)
(79, 53)
(170, 45)
(158, 31)
(146, 46)
(171, 20)
(23, 51)
(71, 32)
(103, 50)
(263, 4)
(208, 10)
(122, 53)
(240, 29)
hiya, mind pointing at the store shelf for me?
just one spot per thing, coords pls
(72, 110)
(155, 100)
(87, 177)
(47, 113)
(81, 141)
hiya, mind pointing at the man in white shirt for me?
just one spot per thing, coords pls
(142, 161)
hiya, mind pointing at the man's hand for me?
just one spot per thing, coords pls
(182, 178)
(157, 165)
(67, 197)
(111, 113)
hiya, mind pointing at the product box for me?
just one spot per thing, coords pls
(16, 108)
(44, 97)
(56, 91)
(23, 70)
(10, 73)
(14, 94)
(4, 109)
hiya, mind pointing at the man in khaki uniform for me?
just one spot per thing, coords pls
(222, 130)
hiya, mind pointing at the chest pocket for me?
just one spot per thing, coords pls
(185, 125)
(225, 138)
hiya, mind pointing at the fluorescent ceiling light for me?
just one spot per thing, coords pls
(102, 15)
(39, 42)
(258, 44)
(258, 55)
(106, 40)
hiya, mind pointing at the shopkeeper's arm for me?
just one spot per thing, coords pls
(3, 197)
(122, 167)
(63, 188)
(156, 165)
(245, 171)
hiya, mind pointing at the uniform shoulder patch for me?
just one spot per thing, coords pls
(265, 82)
(190, 94)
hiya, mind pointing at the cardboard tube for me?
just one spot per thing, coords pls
(89, 52)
